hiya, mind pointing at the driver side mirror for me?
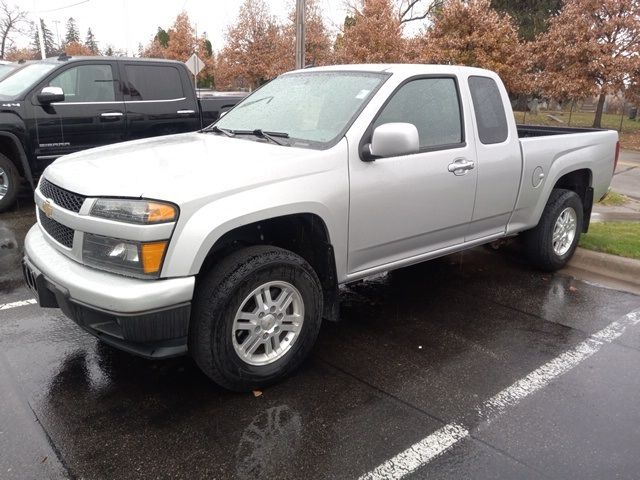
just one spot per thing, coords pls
(50, 95)
(392, 140)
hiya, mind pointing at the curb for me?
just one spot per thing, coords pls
(612, 266)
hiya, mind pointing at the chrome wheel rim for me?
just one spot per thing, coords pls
(564, 231)
(268, 323)
(4, 183)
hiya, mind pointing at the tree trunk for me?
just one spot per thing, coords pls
(2, 46)
(521, 103)
(597, 121)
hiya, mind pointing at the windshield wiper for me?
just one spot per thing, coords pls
(270, 136)
(253, 102)
(216, 129)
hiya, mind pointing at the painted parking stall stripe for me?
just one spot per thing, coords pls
(21, 303)
(421, 453)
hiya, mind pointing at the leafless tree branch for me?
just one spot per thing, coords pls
(415, 10)
(11, 19)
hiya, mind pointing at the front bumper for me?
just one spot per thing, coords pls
(149, 318)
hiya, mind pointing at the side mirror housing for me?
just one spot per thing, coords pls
(392, 140)
(50, 95)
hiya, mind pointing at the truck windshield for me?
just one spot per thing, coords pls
(6, 69)
(313, 108)
(12, 86)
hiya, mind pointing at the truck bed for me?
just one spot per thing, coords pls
(554, 152)
(525, 131)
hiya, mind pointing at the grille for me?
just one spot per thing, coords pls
(61, 197)
(60, 233)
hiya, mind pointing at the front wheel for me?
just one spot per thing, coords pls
(551, 244)
(256, 317)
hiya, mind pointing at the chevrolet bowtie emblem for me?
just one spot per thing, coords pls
(47, 207)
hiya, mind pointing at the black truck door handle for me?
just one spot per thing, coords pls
(111, 116)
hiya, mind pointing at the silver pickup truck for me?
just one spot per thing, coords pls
(229, 244)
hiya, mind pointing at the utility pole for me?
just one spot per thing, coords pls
(300, 33)
(36, 13)
(43, 52)
(58, 34)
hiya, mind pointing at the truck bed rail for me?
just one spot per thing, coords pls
(525, 131)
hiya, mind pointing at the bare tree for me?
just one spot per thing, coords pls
(415, 10)
(11, 20)
(408, 10)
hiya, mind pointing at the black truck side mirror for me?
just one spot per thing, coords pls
(50, 94)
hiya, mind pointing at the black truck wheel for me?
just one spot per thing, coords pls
(551, 244)
(256, 316)
(9, 183)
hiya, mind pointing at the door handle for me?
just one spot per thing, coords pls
(110, 116)
(461, 166)
(185, 112)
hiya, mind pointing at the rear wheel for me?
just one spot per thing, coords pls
(9, 183)
(256, 317)
(551, 244)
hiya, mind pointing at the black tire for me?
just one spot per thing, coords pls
(220, 294)
(539, 241)
(13, 181)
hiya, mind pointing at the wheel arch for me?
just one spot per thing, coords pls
(11, 147)
(305, 234)
(580, 182)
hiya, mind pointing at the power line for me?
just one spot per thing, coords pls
(66, 6)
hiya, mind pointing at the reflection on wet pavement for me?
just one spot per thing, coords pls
(272, 438)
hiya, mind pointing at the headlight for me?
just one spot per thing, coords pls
(134, 211)
(126, 257)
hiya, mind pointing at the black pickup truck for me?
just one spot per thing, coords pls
(67, 104)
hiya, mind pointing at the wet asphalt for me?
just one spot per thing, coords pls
(416, 349)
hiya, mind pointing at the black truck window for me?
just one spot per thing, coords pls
(86, 83)
(490, 116)
(154, 82)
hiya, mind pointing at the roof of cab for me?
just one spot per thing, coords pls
(401, 68)
(66, 59)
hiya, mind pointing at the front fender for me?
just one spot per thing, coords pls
(194, 238)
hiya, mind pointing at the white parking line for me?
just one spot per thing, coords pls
(422, 452)
(21, 303)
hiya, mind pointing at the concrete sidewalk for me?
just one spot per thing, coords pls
(626, 180)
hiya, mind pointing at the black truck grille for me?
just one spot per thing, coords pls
(61, 197)
(60, 233)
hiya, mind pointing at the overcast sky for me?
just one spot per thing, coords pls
(126, 23)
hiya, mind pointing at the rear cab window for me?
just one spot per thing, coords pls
(153, 82)
(489, 110)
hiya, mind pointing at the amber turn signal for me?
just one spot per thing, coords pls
(160, 212)
(152, 256)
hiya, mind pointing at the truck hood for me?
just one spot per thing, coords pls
(181, 168)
